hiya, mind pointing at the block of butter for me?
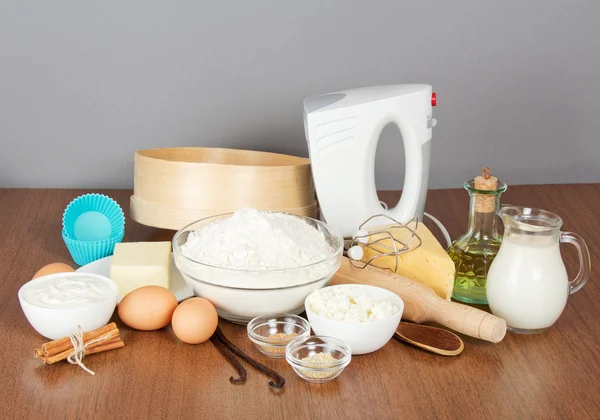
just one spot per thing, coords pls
(428, 264)
(137, 264)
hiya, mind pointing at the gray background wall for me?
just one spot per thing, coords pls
(85, 84)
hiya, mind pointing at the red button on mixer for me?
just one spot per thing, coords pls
(433, 99)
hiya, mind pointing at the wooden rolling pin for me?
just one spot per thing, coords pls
(422, 304)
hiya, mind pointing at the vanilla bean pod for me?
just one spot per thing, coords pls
(278, 380)
(228, 355)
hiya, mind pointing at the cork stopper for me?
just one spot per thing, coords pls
(485, 182)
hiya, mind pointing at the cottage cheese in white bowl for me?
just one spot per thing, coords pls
(251, 263)
(364, 317)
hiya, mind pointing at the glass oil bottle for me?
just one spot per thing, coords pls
(475, 250)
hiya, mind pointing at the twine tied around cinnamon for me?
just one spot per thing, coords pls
(76, 358)
(74, 347)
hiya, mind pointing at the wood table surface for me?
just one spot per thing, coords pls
(554, 375)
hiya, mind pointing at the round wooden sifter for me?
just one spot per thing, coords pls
(176, 186)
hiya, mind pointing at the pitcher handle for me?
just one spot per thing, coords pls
(585, 262)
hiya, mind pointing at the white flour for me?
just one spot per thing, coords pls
(257, 240)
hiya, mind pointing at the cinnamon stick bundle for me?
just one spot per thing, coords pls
(97, 341)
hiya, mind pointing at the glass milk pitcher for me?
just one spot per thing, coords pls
(527, 283)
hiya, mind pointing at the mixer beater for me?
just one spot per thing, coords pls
(382, 234)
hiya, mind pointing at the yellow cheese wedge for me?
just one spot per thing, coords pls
(428, 264)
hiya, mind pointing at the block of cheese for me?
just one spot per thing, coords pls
(137, 264)
(428, 264)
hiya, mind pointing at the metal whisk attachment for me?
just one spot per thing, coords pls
(361, 240)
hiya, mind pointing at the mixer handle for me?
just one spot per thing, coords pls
(413, 174)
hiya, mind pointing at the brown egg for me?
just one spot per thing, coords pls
(147, 308)
(53, 269)
(195, 320)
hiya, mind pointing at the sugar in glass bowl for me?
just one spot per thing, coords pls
(240, 295)
(272, 333)
(318, 359)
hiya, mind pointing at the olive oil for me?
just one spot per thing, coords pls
(475, 250)
(472, 265)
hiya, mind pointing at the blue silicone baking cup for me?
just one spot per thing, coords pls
(93, 217)
(85, 252)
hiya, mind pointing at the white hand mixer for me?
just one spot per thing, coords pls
(342, 130)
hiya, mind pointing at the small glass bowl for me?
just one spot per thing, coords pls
(272, 333)
(336, 356)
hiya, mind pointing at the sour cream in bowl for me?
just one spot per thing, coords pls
(57, 305)
(364, 317)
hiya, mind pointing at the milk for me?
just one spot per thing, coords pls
(527, 284)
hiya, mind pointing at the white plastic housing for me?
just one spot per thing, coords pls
(342, 130)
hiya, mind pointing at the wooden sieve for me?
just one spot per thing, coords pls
(175, 186)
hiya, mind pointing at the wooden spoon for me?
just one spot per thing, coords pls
(433, 339)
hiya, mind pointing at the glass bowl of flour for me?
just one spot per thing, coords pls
(252, 262)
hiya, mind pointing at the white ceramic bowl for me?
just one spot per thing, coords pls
(55, 323)
(241, 295)
(361, 337)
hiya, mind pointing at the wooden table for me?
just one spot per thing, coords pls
(554, 375)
